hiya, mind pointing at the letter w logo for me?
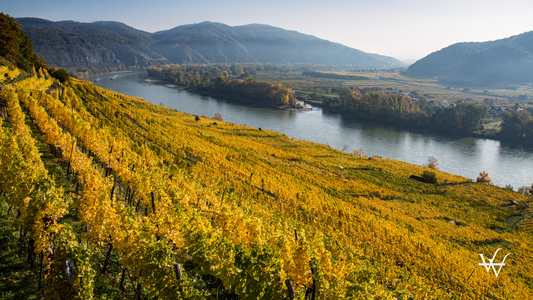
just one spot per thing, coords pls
(492, 264)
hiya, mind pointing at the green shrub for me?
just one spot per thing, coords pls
(60, 74)
(429, 176)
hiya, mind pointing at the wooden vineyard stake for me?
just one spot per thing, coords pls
(107, 257)
(153, 201)
(177, 270)
(122, 279)
(113, 189)
(70, 159)
(288, 283)
(314, 284)
(68, 270)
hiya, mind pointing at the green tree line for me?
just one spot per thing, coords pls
(517, 125)
(224, 81)
(401, 109)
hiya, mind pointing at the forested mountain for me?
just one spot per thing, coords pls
(91, 46)
(272, 44)
(113, 45)
(202, 43)
(218, 43)
(500, 62)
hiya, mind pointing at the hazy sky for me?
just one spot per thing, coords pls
(407, 30)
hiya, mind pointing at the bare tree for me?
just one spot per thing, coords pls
(218, 117)
(432, 163)
(526, 190)
(358, 152)
(484, 178)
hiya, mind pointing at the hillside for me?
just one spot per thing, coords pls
(103, 195)
(91, 46)
(201, 209)
(202, 43)
(218, 42)
(16, 48)
(276, 45)
(113, 45)
(502, 62)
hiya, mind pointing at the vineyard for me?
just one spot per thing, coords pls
(170, 206)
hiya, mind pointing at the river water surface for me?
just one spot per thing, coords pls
(506, 163)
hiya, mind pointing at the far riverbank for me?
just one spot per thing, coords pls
(159, 81)
(481, 135)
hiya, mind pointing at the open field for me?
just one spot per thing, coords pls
(431, 87)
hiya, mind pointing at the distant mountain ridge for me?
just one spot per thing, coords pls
(261, 40)
(91, 46)
(501, 62)
(261, 43)
(202, 43)
(97, 45)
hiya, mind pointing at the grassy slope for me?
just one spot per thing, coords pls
(397, 227)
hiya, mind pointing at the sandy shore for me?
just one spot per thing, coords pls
(287, 107)
(152, 80)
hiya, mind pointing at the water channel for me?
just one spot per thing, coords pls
(506, 163)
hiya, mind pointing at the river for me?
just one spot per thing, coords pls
(506, 163)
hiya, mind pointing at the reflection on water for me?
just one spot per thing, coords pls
(506, 163)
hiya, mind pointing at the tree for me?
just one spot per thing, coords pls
(517, 124)
(484, 178)
(60, 74)
(15, 45)
(432, 163)
(526, 190)
(358, 152)
(236, 70)
(469, 116)
(349, 100)
(218, 117)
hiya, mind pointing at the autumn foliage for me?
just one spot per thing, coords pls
(484, 178)
(249, 209)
